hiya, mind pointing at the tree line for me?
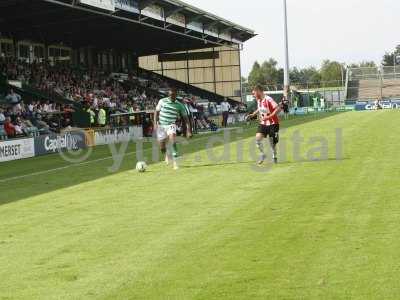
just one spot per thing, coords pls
(331, 73)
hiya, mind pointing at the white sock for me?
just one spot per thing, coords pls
(260, 147)
(273, 148)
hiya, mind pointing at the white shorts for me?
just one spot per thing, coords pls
(163, 131)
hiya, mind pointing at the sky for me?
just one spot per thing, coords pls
(348, 31)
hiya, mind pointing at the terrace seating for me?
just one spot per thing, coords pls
(372, 83)
(391, 88)
(369, 89)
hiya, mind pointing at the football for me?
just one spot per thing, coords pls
(141, 167)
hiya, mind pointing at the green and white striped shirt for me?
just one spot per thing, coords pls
(170, 111)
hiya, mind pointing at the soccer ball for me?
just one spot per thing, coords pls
(141, 167)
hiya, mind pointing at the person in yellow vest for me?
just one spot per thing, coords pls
(92, 116)
(102, 117)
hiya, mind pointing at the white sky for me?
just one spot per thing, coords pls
(344, 30)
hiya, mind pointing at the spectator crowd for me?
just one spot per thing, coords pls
(99, 93)
(87, 86)
(18, 119)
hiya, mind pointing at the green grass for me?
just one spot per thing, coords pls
(301, 230)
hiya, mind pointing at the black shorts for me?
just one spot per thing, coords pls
(286, 109)
(270, 130)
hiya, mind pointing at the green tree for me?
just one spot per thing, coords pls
(256, 76)
(331, 71)
(268, 74)
(270, 71)
(390, 57)
(295, 75)
(307, 76)
(312, 76)
(280, 78)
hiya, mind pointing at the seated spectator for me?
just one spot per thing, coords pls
(28, 128)
(8, 112)
(2, 116)
(66, 123)
(40, 124)
(9, 128)
(48, 107)
(52, 121)
(18, 127)
(13, 97)
(18, 108)
(31, 106)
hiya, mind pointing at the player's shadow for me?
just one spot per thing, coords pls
(303, 161)
(266, 163)
(24, 179)
(210, 165)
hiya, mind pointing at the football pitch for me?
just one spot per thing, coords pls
(322, 224)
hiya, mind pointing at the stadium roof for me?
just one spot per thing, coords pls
(145, 26)
(208, 17)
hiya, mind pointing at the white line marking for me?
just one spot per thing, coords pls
(81, 164)
(59, 169)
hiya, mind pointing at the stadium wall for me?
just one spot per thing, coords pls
(18, 149)
(371, 105)
(221, 75)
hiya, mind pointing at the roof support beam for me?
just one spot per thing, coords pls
(168, 13)
(211, 25)
(227, 29)
(141, 20)
(193, 19)
(145, 3)
(171, 7)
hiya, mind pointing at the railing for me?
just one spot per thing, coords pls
(301, 86)
(366, 73)
(49, 95)
(391, 72)
(373, 83)
(373, 73)
(191, 89)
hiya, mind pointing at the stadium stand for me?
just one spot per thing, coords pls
(92, 89)
(391, 88)
(373, 83)
(57, 72)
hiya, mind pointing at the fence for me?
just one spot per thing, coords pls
(333, 92)
(373, 83)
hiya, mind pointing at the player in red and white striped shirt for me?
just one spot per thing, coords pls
(267, 111)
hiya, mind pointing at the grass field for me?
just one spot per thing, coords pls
(303, 229)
